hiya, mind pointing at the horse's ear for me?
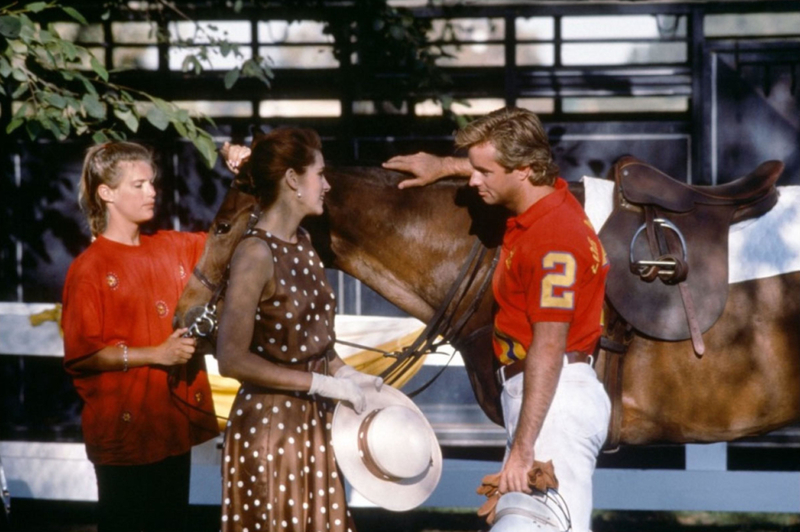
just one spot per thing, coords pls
(257, 133)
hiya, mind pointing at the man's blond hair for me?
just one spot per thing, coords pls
(519, 138)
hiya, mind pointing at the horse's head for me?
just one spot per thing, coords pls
(239, 209)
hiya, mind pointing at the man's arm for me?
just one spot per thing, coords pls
(543, 364)
(428, 168)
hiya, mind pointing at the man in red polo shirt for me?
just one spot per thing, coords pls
(549, 287)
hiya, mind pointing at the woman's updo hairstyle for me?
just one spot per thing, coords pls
(273, 154)
(101, 166)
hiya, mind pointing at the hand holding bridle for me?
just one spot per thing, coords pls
(175, 350)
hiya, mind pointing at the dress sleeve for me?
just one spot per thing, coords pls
(81, 321)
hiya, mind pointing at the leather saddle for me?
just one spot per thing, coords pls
(668, 246)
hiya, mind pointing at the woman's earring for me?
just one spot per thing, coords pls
(299, 195)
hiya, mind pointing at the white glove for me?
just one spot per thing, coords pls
(341, 389)
(363, 379)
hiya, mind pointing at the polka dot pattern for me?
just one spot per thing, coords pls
(279, 472)
(295, 323)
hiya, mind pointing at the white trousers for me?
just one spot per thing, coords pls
(572, 435)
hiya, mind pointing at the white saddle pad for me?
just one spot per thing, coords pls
(757, 248)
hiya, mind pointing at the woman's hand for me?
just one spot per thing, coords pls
(342, 389)
(349, 372)
(234, 154)
(175, 350)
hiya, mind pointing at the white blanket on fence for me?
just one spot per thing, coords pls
(757, 248)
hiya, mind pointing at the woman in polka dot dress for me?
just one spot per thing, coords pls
(276, 337)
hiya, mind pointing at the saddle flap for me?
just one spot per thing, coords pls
(655, 308)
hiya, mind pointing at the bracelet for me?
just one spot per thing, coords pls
(124, 357)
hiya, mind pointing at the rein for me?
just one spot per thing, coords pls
(443, 327)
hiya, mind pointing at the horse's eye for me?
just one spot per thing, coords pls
(222, 229)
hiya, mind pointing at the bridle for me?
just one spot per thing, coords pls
(446, 323)
(207, 322)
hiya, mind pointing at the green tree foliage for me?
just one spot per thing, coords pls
(59, 88)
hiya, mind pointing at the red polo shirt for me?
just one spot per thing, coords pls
(552, 268)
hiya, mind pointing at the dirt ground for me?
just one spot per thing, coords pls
(43, 516)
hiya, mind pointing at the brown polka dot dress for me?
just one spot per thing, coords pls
(278, 468)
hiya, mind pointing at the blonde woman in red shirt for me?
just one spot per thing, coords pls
(147, 400)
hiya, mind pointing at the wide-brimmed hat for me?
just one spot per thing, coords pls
(389, 453)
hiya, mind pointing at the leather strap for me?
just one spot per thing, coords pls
(508, 371)
(612, 380)
(691, 316)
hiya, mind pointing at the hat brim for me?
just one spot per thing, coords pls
(398, 495)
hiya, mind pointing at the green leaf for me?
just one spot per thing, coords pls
(19, 75)
(2, 91)
(61, 125)
(35, 7)
(157, 117)
(99, 69)
(128, 118)
(19, 91)
(74, 14)
(93, 106)
(88, 85)
(166, 107)
(5, 67)
(180, 128)
(68, 49)
(22, 111)
(237, 6)
(10, 26)
(205, 145)
(33, 128)
(45, 37)
(99, 137)
(55, 99)
(14, 124)
(231, 77)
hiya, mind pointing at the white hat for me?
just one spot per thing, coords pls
(389, 453)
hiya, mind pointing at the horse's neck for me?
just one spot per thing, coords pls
(406, 245)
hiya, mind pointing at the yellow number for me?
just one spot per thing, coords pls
(562, 276)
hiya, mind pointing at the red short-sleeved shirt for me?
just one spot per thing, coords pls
(118, 294)
(552, 268)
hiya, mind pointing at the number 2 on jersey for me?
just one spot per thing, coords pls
(561, 274)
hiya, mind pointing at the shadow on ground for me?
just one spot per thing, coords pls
(57, 516)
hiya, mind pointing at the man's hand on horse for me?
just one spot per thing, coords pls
(425, 167)
(514, 476)
(234, 154)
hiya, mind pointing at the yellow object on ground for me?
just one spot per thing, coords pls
(224, 389)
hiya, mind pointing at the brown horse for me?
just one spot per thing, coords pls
(409, 245)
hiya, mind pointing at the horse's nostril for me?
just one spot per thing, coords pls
(222, 228)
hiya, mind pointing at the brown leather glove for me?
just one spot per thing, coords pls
(541, 477)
